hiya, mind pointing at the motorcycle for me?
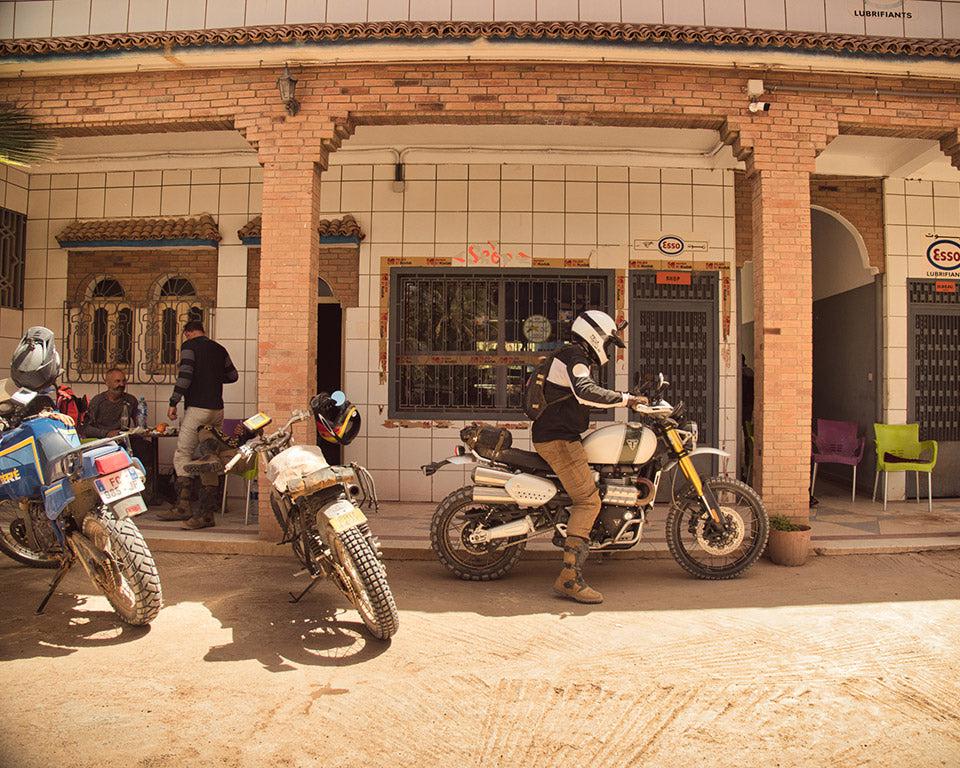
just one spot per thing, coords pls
(319, 509)
(62, 503)
(716, 527)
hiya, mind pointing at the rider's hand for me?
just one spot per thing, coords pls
(635, 400)
(61, 417)
(113, 433)
(172, 413)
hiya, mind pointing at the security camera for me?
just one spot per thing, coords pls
(759, 106)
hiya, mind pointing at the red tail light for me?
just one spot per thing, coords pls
(112, 462)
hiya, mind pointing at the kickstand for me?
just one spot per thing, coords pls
(64, 567)
(297, 598)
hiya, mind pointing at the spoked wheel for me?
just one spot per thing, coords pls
(16, 542)
(366, 579)
(455, 519)
(708, 553)
(131, 583)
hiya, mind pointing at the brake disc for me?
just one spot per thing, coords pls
(727, 542)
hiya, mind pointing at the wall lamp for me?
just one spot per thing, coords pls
(287, 85)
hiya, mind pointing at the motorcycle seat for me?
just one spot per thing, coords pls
(531, 461)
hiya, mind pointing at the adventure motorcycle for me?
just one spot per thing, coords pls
(318, 507)
(62, 502)
(716, 528)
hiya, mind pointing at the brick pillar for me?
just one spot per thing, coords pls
(783, 335)
(289, 268)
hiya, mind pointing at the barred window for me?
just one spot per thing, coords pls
(106, 339)
(13, 244)
(464, 341)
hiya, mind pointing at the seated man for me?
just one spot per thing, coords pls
(115, 411)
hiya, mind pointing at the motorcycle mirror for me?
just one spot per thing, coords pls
(339, 398)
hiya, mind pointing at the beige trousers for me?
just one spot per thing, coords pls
(194, 419)
(569, 461)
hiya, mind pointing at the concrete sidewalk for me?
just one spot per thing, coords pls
(840, 527)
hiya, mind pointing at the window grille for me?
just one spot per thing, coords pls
(463, 342)
(13, 244)
(934, 352)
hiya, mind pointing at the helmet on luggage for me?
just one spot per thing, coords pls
(36, 362)
(599, 332)
(338, 420)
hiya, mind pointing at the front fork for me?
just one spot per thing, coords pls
(708, 499)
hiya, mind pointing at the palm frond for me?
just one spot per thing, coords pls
(23, 141)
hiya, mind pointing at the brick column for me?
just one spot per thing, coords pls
(289, 268)
(783, 330)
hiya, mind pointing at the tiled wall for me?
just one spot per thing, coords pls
(232, 195)
(13, 196)
(913, 211)
(46, 18)
(548, 211)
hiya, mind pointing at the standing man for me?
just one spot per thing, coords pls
(205, 367)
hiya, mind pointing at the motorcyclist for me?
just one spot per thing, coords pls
(571, 392)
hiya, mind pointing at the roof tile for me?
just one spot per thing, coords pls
(202, 229)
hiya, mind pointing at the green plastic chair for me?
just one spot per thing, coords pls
(899, 449)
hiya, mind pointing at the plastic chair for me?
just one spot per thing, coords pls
(229, 425)
(837, 442)
(899, 449)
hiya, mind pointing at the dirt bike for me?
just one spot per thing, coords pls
(716, 527)
(319, 509)
(62, 503)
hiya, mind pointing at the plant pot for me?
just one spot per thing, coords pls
(789, 547)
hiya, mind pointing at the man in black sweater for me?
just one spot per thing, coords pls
(205, 367)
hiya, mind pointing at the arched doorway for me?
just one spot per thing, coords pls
(846, 357)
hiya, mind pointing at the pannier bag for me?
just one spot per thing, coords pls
(487, 440)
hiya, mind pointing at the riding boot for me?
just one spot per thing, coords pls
(570, 582)
(182, 509)
(208, 509)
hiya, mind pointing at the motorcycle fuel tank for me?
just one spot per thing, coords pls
(28, 454)
(620, 444)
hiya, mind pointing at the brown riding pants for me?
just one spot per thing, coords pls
(568, 460)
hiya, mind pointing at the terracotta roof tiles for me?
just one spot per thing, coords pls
(346, 227)
(199, 229)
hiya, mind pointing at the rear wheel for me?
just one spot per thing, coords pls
(456, 517)
(15, 539)
(367, 580)
(726, 554)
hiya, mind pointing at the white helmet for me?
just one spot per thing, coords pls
(600, 333)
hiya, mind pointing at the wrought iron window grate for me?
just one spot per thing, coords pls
(935, 360)
(13, 244)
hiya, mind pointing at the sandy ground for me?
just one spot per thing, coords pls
(850, 661)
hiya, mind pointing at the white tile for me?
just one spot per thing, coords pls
(805, 16)
(613, 228)
(120, 179)
(895, 239)
(344, 11)
(891, 27)
(35, 265)
(255, 203)
(709, 228)
(676, 176)
(33, 19)
(764, 14)
(451, 195)
(37, 233)
(951, 20)
(418, 227)
(414, 486)
(234, 175)
(264, 12)
(707, 201)
(232, 260)
(483, 196)
(56, 263)
(687, 12)
(305, 11)
(581, 228)
(917, 187)
(516, 172)
(6, 22)
(894, 209)
(63, 203)
(384, 197)
(234, 198)
(204, 198)
(421, 171)
(919, 210)
(516, 196)
(600, 10)
(429, 10)
(185, 14)
(63, 181)
(676, 199)
(548, 228)
(70, 17)
(231, 292)
(580, 173)
(917, 240)
(231, 323)
(147, 15)
(472, 10)
(559, 10)
(548, 196)
(641, 11)
(386, 227)
(16, 199)
(841, 17)
(516, 227)
(581, 196)
(146, 201)
(175, 201)
(56, 226)
(224, 13)
(482, 226)
(925, 20)
(516, 10)
(723, 13)
(420, 195)
(355, 196)
(946, 189)
(38, 204)
(452, 171)
(613, 197)
(946, 211)
(452, 228)
(228, 225)
(330, 196)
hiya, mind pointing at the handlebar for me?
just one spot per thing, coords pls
(246, 451)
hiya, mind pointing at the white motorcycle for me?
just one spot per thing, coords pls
(319, 508)
(716, 527)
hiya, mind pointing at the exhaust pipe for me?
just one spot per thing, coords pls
(486, 495)
(509, 530)
(492, 477)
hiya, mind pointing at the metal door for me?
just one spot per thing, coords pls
(933, 367)
(673, 329)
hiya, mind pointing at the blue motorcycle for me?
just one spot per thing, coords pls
(62, 503)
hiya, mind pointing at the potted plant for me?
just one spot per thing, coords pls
(789, 542)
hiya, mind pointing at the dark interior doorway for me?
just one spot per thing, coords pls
(329, 362)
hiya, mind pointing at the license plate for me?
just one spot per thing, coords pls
(346, 520)
(126, 482)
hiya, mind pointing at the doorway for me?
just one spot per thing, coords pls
(329, 358)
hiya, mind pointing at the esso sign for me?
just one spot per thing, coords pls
(944, 254)
(671, 245)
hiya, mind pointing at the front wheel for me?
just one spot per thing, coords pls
(367, 581)
(131, 582)
(726, 554)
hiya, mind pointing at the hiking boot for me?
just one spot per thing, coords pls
(206, 517)
(182, 509)
(570, 582)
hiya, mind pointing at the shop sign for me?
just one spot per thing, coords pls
(674, 278)
(671, 245)
(944, 254)
(883, 9)
(945, 286)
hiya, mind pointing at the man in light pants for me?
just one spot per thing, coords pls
(205, 367)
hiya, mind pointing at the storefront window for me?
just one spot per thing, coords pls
(464, 341)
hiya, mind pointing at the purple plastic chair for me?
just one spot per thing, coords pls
(837, 442)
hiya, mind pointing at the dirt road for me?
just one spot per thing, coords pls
(851, 661)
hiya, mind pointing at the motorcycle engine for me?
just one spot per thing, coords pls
(612, 518)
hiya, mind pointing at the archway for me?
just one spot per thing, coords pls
(846, 361)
